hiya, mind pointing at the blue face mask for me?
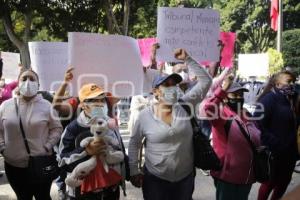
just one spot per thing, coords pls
(99, 112)
(170, 95)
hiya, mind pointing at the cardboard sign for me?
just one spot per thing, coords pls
(228, 39)
(110, 61)
(145, 49)
(196, 30)
(50, 61)
(11, 67)
(253, 65)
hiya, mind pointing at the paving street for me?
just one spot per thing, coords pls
(204, 188)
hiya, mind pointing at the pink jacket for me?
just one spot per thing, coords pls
(217, 82)
(7, 90)
(231, 146)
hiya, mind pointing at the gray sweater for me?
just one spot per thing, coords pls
(169, 149)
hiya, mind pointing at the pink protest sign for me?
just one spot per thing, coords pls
(145, 49)
(228, 39)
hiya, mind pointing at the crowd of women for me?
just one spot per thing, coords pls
(83, 132)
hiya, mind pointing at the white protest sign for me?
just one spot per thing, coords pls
(11, 67)
(253, 65)
(110, 61)
(196, 30)
(50, 61)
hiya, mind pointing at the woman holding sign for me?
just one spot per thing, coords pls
(169, 171)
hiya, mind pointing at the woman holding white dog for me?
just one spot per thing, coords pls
(91, 148)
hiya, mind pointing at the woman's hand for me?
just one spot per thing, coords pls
(69, 75)
(154, 47)
(227, 82)
(180, 54)
(96, 148)
(137, 180)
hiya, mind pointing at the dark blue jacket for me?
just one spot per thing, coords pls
(71, 154)
(278, 125)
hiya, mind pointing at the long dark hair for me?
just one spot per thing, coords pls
(268, 87)
(272, 82)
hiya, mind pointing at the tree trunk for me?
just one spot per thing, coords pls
(25, 56)
(113, 23)
(21, 45)
(110, 25)
(126, 16)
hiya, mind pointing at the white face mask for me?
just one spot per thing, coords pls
(28, 88)
(170, 95)
(180, 93)
(99, 112)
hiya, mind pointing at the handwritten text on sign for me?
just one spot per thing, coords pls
(196, 30)
(111, 61)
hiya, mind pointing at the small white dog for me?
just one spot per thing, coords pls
(100, 130)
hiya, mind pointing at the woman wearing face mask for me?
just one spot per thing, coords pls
(188, 81)
(95, 103)
(278, 124)
(42, 129)
(229, 120)
(168, 171)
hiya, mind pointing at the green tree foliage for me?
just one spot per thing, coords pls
(25, 20)
(5, 43)
(62, 16)
(187, 3)
(143, 17)
(291, 11)
(275, 61)
(251, 21)
(17, 17)
(290, 49)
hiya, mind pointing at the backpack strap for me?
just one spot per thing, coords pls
(193, 120)
(246, 135)
(21, 127)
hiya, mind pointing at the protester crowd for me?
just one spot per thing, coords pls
(82, 131)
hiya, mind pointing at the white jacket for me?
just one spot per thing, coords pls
(41, 125)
